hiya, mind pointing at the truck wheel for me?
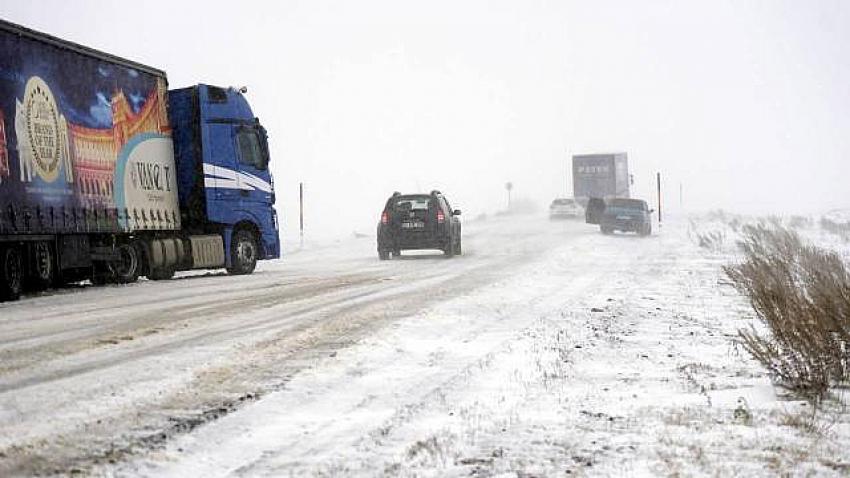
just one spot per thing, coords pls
(101, 276)
(383, 254)
(11, 273)
(458, 247)
(42, 266)
(161, 273)
(243, 253)
(126, 268)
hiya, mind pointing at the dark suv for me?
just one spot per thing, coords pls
(418, 221)
(626, 215)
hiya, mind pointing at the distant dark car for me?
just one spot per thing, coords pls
(626, 215)
(564, 208)
(593, 211)
(419, 221)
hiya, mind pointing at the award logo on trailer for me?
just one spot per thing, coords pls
(42, 134)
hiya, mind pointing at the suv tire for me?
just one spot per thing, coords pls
(449, 250)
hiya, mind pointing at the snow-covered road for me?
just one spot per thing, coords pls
(546, 349)
(89, 374)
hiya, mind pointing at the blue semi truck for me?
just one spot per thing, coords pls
(106, 175)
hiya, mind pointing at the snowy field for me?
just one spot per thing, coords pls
(547, 349)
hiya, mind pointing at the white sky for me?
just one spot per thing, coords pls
(745, 103)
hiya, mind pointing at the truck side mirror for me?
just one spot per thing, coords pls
(456, 212)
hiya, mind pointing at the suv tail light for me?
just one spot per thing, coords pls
(385, 218)
(441, 218)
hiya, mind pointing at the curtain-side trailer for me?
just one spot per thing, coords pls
(108, 176)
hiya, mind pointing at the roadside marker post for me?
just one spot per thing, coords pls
(301, 211)
(658, 177)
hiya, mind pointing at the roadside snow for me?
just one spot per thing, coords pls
(611, 355)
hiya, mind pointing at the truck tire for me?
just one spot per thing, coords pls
(11, 273)
(101, 275)
(162, 273)
(42, 271)
(243, 253)
(383, 254)
(128, 267)
(458, 247)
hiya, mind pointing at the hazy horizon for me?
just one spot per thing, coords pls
(743, 104)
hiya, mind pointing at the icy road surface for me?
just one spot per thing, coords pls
(546, 349)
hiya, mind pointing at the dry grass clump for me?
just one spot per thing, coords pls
(800, 222)
(712, 240)
(801, 293)
(841, 229)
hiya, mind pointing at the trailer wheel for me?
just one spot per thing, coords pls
(11, 273)
(126, 269)
(42, 266)
(243, 253)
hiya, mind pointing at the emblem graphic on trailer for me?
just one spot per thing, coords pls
(42, 134)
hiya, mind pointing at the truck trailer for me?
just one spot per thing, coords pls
(106, 175)
(601, 176)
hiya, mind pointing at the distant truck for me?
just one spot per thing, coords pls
(106, 175)
(601, 176)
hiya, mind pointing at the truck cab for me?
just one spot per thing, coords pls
(222, 160)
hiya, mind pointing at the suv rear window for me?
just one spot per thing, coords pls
(627, 204)
(419, 203)
(563, 202)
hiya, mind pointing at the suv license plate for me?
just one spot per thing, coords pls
(413, 225)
